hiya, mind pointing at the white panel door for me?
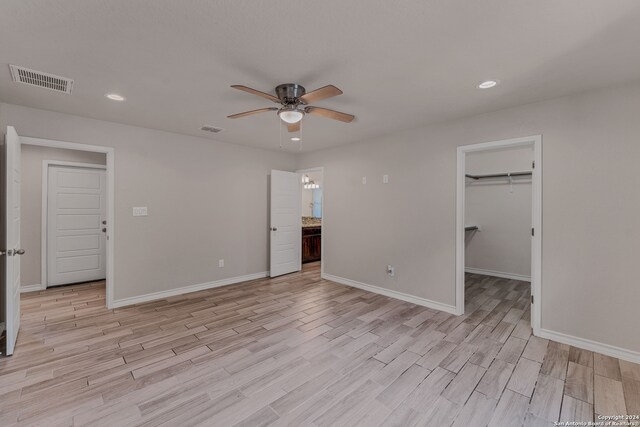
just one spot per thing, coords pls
(12, 244)
(286, 223)
(76, 217)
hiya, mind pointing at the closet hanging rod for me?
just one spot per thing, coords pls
(499, 175)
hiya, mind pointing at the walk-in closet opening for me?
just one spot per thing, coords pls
(499, 259)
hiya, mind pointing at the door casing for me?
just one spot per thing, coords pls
(536, 218)
(110, 172)
(324, 201)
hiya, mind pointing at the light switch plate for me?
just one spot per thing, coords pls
(139, 211)
(385, 179)
(364, 179)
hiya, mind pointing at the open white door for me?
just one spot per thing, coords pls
(12, 244)
(286, 227)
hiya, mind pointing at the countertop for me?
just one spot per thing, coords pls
(308, 221)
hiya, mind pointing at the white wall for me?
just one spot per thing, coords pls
(502, 211)
(590, 196)
(207, 200)
(31, 199)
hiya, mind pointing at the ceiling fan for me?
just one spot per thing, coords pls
(295, 102)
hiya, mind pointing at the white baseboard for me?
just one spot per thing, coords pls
(31, 288)
(497, 274)
(393, 294)
(187, 289)
(598, 347)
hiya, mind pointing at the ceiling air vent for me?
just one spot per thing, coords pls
(40, 79)
(212, 129)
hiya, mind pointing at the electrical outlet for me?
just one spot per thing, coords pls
(391, 270)
(139, 211)
(385, 179)
(364, 179)
(220, 263)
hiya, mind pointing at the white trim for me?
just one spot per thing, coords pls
(31, 288)
(500, 274)
(606, 349)
(45, 209)
(111, 213)
(393, 294)
(322, 238)
(536, 219)
(187, 289)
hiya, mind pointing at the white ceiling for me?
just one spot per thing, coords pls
(400, 64)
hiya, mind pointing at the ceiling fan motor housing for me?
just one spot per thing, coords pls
(289, 93)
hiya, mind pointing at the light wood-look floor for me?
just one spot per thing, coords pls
(298, 350)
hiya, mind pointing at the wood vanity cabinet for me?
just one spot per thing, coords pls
(311, 243)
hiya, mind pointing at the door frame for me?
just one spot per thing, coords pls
(110, 195)
(44, 253)
(322, 235)
(536, 219)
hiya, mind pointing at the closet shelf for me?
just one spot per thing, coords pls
(499, 175)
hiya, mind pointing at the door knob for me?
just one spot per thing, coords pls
(104, 230)
(274, 228)
(15, 252)
(104, 222)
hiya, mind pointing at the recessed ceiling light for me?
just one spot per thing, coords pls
(488, 84)
(115, 97)
(295, 138)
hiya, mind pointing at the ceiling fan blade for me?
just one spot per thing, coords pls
(257, 92)
(252, 112)
(325, 92)
(330, 114)
(293, 127)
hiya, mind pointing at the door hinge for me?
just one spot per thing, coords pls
(531, 299)
(533, 231)
(533, 164)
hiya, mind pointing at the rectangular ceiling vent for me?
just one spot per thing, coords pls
(40, 79)
(212, 129)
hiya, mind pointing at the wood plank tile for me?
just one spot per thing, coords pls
(496, 379)
(555, 362)
(630, 370)
(512, 350)
(397, 392)
(535, 349)
(428, 391)
(608, 396)
(459, 390)
(436, 355)
(606, 366)
(575, 410)
(547, 398)
(579, 382)
(476, 412)
(581, 356)
(296, 350)
(631, 389)
(524, 377)
(510, 411)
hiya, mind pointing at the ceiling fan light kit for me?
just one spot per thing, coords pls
(290, 114)
(294, 100)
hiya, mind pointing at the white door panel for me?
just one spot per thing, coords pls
(12, 244)
(286, 230)
(76, 209)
